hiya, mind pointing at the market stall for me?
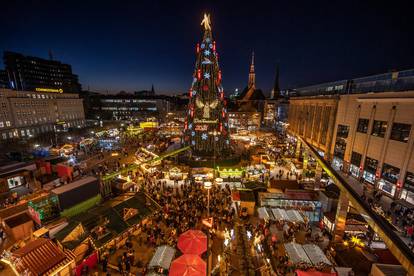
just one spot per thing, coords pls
(316, 256)
(294, 216)
(161, 261)
(297, 254)
(264, 214)
(280, 214)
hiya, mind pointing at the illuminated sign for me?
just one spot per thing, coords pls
(202, 121)
(148, 124)
(201, 127)
(49, 90)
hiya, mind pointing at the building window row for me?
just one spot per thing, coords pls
(399, 131)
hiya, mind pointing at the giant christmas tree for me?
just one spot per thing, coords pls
(206, 128)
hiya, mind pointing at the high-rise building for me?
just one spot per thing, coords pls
(37, 74)
(206, 127)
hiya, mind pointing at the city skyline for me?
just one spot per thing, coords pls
(119, 47)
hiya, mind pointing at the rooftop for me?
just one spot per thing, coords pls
(41, 257)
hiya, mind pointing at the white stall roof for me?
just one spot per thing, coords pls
(294, 216)
(316, 254)
(280, 214)
(162, 257)
(296, 253)
(264, 213)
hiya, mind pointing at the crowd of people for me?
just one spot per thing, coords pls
(184, 205)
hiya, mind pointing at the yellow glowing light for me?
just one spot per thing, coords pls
(148, 125)
(357, 241)
(49, 90)
(206, 22)
(346, 243)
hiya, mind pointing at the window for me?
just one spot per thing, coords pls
(356, 158)
(409, 181)
(1, 124)
(8, 123)
(379, 128)
(371, 165)
(400, 132)
(342, 131)
(390, 173)
(363, 125)
(340, 147)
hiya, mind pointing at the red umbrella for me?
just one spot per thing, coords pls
(193, 242)
(188, 265)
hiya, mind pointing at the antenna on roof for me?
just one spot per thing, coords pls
(50, 54)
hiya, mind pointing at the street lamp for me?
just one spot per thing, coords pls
(207, 186)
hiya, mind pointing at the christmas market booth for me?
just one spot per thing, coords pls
(176, 174)
(277, 214)
(244, 200)
(161, 260)
(40, 257)
(306, 202)
(105, 228)
(308, 256)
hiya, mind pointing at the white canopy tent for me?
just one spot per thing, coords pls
(280, 214)
(296, 253)
(294, 216)
(264, 213)
(162, 257)
(316, 254)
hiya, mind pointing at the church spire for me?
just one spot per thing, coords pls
(276, 86)
(252, 75)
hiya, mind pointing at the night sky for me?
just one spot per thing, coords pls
(118, 45)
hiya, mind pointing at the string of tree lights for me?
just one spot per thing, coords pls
(206, 127)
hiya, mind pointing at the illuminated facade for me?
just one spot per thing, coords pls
(126, 107)
(239, 120)
(25, 114)
(368, 135)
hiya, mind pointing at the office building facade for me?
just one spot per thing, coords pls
(27, 73)
(25, 114)
(368, 135)
(126, 106)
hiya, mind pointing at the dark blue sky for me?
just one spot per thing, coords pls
(117, 45)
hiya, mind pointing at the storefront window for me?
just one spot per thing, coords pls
(15, 181)
(379, 128)
(390, 173)
(369, 177)
(386, 187)
(407, 193)
(340, 147)
(363, 125)
(354, 170)
(337, 163)
(371, 165)
(400, 132)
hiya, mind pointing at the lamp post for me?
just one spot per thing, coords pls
(207, 186)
